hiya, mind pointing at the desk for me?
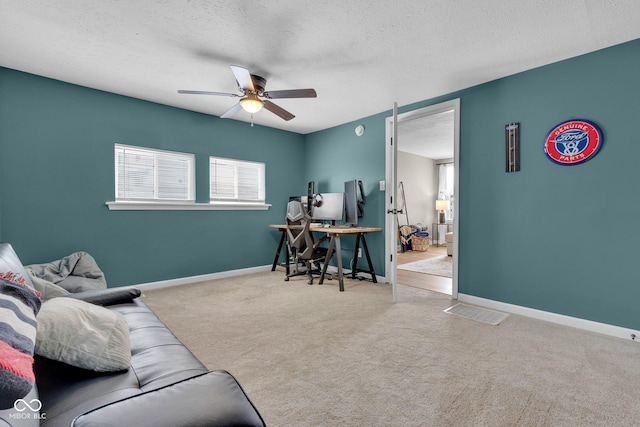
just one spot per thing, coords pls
(334, 245)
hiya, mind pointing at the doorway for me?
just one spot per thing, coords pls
(425, 140)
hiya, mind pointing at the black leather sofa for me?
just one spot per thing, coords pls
(165, 384)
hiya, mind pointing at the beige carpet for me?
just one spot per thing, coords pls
(313, 356)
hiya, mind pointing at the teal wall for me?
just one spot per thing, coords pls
(57, 172)
(550, 237)
(336, 155)
(556, 238)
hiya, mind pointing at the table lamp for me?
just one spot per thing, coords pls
(442, 205)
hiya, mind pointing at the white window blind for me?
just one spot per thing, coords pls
(144, 174)
(236, 181)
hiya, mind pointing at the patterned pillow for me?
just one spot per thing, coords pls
(19, 304)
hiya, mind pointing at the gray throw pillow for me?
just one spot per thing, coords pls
(83, 335)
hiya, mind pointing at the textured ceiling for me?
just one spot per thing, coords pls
(360, 56)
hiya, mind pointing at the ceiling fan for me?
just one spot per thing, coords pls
(254, 97)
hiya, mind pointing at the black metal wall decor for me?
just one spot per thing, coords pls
(512, 146)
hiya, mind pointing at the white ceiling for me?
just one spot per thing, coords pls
(360, 56)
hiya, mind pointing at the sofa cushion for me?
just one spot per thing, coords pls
(211, 399)
(19, 304)
(158, 359)
(84, 335)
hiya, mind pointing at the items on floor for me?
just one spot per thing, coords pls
(414, 237)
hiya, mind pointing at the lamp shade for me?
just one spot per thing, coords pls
(251, 104)
(442, 205)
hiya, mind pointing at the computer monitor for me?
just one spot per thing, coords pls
(351, 202)
(328, 206)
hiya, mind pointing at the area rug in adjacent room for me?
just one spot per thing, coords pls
(439, 266)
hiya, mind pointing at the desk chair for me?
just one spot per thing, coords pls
(300, 243)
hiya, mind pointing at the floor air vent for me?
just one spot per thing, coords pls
(477, 313)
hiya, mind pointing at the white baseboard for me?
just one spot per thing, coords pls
(575, 322)
(201, 278)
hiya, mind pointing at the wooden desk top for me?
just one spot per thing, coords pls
(335, 229)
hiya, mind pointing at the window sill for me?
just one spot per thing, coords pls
(164, 206)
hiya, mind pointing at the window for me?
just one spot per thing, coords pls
(236, 181)
(150, 179)
(148, 175)
(446, 186)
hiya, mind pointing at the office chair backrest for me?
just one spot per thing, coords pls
(295, 211)
(299, 236)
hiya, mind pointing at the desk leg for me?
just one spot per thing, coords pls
(286, 265)
(354, 271)
(366, 253)
(339, 256)
(277, 257)
(326, 260)
(334, 242)
(359, 238)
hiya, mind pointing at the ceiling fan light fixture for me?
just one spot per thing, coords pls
(253, 87)
(251, 104)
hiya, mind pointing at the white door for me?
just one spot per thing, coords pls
(391, 223)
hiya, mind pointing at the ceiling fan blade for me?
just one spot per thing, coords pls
(278, 111)
(291, 93)
(202, 92)
(232, 111)
(243, 77)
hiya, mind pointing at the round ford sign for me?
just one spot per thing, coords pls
(573, 142)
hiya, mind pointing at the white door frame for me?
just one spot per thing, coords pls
(391, 186)
(391, 197)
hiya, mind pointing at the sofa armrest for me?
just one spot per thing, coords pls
(211, 399)
(109, 296)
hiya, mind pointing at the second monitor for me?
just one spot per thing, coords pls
(351, 202)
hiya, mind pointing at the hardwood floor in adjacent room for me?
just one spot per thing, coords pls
(421, 280)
